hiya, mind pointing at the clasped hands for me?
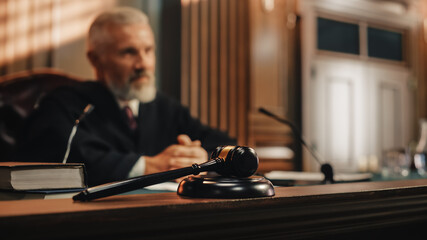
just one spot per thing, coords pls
(183, 154)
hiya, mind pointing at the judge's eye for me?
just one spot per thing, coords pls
(129, 51)
(149, 49)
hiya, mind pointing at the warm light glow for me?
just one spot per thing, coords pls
(340, 117)
(425, 30)
(268, 5)
(185, 3)
(274, 152)
(35, 26)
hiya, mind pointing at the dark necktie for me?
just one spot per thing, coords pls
(130, 118)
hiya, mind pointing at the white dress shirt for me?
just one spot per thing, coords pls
(139, 168)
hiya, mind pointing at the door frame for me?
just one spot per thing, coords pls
(360, 11)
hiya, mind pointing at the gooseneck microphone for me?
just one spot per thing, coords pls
(235, 161)
(86, 111)
(325, 168)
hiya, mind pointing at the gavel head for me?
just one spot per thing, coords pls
(238, 161)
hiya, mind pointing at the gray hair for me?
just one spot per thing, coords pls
(116, 16)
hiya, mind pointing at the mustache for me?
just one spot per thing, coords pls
(141, 73)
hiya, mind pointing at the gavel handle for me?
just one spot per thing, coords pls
(131, 184)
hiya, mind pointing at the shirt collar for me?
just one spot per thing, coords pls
(133, 105)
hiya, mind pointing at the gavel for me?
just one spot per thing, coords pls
(230, 161)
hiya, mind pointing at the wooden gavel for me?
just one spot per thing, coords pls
(234, 161)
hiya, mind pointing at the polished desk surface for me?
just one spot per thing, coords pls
(350, 210)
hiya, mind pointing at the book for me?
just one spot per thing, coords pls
(10, 195)
(25, 176)
(316, 176)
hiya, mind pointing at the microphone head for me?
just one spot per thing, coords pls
(238, 161)
(89, 108)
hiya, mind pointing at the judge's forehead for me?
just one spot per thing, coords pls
(119, 33)
(139, 30)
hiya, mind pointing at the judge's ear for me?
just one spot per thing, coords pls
(93, 58)
(96, 64)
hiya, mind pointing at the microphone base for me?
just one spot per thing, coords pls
(328, 172)
(223, 187)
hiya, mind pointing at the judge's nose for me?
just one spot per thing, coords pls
(140, 63)
(144, 60)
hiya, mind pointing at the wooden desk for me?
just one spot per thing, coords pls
(352, 210)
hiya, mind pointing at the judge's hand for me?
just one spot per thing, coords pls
(180, 155)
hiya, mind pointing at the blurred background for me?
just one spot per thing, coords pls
(350, 75)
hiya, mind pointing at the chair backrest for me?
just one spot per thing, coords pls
(19, 94)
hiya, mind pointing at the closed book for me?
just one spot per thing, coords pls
(10, 195)
(316, 176)
(24, 176)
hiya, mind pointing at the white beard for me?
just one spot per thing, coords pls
(144, 92)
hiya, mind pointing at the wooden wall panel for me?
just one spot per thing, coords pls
(422, 63)
(194, 56)
(227, 67)
(232, 67)
(185, 50)
(204, 63)
(242, 77)
(214, 63)
(274, 71)
(275, 80)
(3, 13)
(224, 24)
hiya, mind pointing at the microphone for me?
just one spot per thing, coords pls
(235, 161)
(85, 112)
(325, 168)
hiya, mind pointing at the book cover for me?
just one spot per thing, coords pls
(25, 176)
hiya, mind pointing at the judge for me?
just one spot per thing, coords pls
(133, 129)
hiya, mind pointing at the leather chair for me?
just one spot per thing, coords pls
(19, 95)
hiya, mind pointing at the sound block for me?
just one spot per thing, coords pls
(223, 187)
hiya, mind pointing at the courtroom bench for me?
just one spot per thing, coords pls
(345, 211)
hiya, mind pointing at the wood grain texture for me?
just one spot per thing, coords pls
(351, 210)
(215, 83)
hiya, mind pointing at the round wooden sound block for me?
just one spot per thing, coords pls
(225, 187)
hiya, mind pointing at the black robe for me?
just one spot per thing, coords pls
(104, 142)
